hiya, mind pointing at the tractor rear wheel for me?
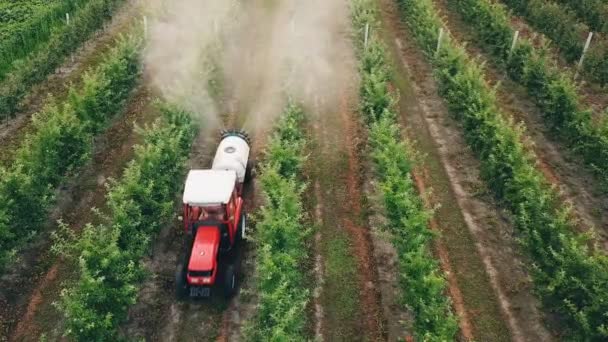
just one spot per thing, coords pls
(181, 286)
(229, 282)
(249, 171)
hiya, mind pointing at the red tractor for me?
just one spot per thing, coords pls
(214, 220)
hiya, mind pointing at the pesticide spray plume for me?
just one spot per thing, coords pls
(260, 52)
(184, 38)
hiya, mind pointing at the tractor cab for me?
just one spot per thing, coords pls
(212, 198)
(214, 221)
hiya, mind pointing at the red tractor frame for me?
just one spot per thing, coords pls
(214, 221)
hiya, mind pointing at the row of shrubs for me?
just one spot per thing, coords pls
(23, 35)
(108, 256)
(553, 90)
(34, 68)
(593, 12)
(569, 275)
(281, 236)
(61, 140)
(421, 279)
(568, 34)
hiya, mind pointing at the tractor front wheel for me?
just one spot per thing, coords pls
(229, 282)
(181, 286)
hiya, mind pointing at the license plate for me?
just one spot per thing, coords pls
(200, 291)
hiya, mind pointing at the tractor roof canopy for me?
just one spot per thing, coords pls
(209, 187)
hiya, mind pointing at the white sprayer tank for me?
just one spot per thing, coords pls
(232, 154)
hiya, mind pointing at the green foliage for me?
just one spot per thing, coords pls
(563, 28)
(59, 144)
(105, 89)
(421, 278)
(26, 25)
(35, 66)
(104, 289)
(61, 141)
(422, 281)
(108, 255)
(285, 148)
(282, 237)
(569, 276)
(553, 90)
(593, 12)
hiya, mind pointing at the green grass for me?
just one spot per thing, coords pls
(340, 294)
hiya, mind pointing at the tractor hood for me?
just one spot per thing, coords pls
(204, 249)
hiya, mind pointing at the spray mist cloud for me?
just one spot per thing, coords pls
(263, 51)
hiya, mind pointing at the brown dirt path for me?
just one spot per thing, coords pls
(30, 288)
(57, 84)
(358, 230)
(318, 271)
(441, 252)
(561, 167)
(347, 304)
(477, 233)
(399, 320)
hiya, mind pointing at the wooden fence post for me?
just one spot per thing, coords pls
(366, 35)
(514, 43)
(439, 40)
(580, 62)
